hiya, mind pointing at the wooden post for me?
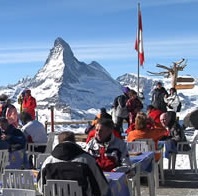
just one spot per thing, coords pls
(52, 118)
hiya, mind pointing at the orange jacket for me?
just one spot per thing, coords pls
(156, 134)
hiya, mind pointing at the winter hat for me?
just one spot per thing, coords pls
(103, 110)
(3, 97)
(125, 89)
(28, 91)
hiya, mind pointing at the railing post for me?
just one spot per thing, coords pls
(52, 118)
(46, 123)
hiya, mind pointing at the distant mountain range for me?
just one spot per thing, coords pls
(68, 84)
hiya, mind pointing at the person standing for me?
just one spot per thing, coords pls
(172, 100)
(29, 104)
(158, 97)
(134, 105)
(120, 111)
(20, 100)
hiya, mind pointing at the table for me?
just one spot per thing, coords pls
(145, 159)
(168, 147)
(118, 183)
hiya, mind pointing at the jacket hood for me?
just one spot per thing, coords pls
(67, 151)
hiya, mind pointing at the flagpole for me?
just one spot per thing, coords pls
(138, 53)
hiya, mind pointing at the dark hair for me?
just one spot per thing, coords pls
(103, 110)
(66, 136)
(133, 92)
(159, 83)
(173, 89)
(150, 107)
(3, 97)
(106, 122)
(3, 120)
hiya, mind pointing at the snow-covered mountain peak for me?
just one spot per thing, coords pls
(65, 82)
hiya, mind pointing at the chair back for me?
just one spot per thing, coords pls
(149, 142)
(18, 192)
(62, 188)
(141, 145)
(75, 171)
(50, 141)
(16, 178)
(40, 159)
(4, 157)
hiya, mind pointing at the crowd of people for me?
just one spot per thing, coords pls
(106, 149)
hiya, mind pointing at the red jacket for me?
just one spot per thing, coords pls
(134, 105)
(155, 115)
(29, 105)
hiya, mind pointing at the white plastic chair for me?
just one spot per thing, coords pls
(18, 192)
(62, 188)
(4, 161)
(191, 154)
(158, 166)
(49, 145)
(137, 147)
(21, 179)
(40, 159)
(133, 179)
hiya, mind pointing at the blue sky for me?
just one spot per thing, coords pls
(102, 31)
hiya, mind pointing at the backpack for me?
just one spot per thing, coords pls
(72, 171)
(179, 107)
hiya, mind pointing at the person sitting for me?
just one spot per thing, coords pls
(67, 161)
(174, 132)
(34, 132)
(8, 110)
(109, 151)
(14, 137)
(142, 132)
(33, 129)
(92, 133)
(29, 103)
(103, 114)
(17, 143)
(154, 114)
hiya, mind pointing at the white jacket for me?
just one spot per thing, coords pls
(172, 102)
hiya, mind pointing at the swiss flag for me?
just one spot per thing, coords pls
(139, 39)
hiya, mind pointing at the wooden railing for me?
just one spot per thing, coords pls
(67, 122)
(79, 137)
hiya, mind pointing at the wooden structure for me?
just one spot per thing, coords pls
(184, 86)
(172, 72)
